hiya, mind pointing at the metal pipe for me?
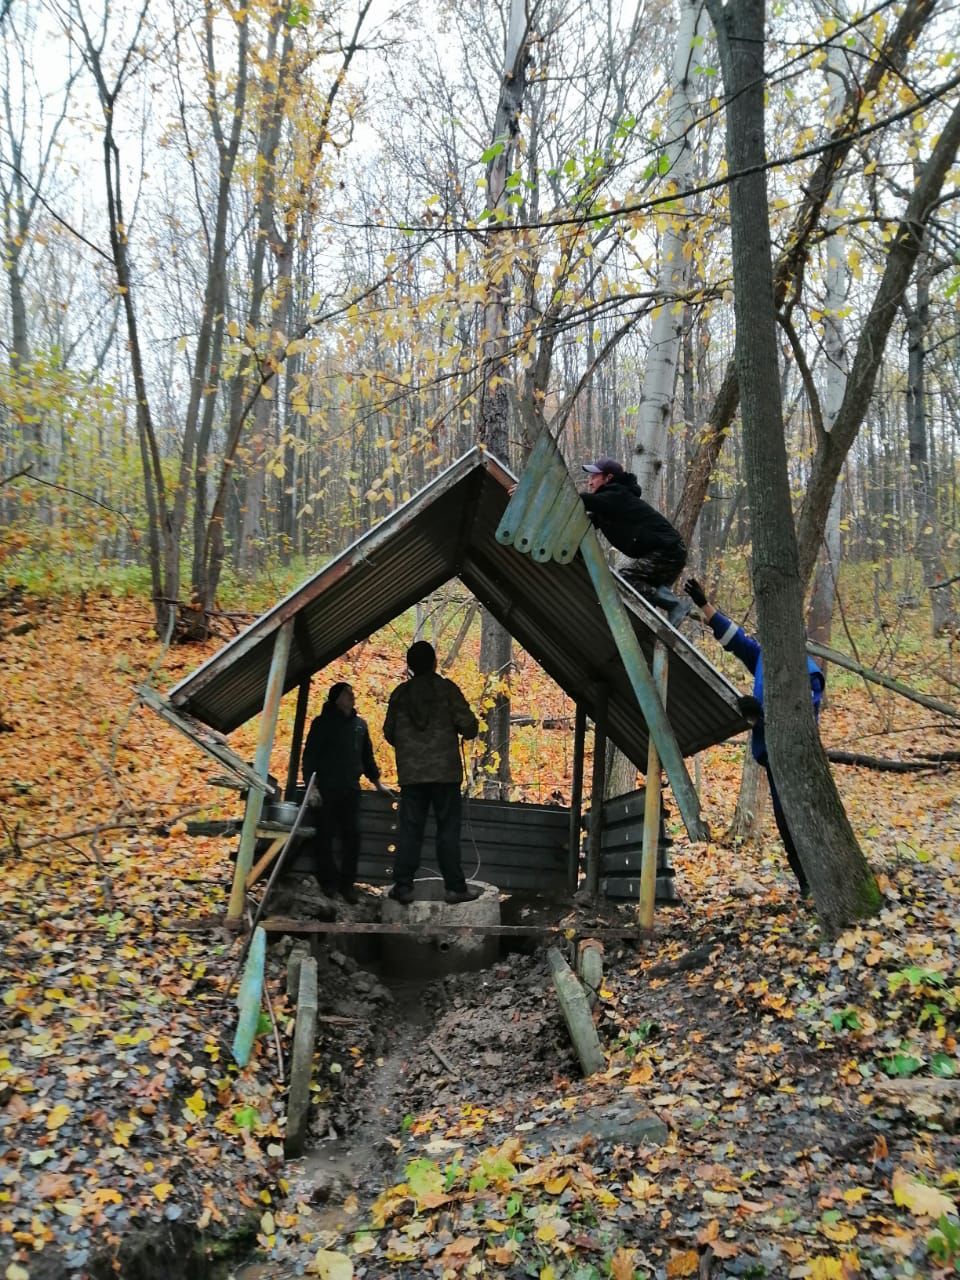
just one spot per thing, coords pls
(261, 765)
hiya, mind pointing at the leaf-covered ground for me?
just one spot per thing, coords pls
(808, 1089)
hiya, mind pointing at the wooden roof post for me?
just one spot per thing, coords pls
(576, 796)
(635, 665)
(296, 746)
(651, 805)
(594, 848)
(261, 764)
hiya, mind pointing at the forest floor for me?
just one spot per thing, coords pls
(774, 1104)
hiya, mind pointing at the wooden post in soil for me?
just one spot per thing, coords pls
(261, 765)
(576, 797)
(590, 968)
(594, 847)
(651, 804)
(301, 1059)
(576, 1013)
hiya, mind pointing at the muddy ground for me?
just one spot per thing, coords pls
(731, 1135)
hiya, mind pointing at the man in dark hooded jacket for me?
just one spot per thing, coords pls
(747, 649)
(615, 505)
(426, 717)
(338, 750)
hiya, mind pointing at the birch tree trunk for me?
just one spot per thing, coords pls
(496, 646)
(836, 287)
(660, 375)
(922, 476)
(843, 885)
(666, 337)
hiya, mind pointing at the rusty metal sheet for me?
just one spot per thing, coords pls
(449, 530)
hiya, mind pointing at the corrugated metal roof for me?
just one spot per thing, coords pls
(445, 531)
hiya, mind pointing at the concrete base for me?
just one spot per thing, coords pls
(413, 956)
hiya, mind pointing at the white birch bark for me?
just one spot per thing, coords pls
(656, 402)
(836, 290)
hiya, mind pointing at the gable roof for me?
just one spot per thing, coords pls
(447, 531)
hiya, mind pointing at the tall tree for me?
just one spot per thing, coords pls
(843, 885)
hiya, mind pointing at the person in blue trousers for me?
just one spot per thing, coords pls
(747, 649)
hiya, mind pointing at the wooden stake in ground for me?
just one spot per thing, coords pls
(590, 967)
(301, 1062)
(576, 1013)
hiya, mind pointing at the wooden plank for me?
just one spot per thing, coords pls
(284, 924)
(551, 483)
(301, 1060)
(644, 688)
(261, 763)
(248, 999)
(257, 871)
(576, 1013)
(651, 811)
(551, 528)
(567, 544)
(630, 805)
(541, 457)
(203, 737)
(620, 888)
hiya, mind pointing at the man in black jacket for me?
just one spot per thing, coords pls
(657, 552)
(338, 751)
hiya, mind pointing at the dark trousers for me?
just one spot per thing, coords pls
(338, 816)
(796, 866)
(656, 569)
(415, 802)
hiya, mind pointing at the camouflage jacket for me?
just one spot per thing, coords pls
(425, 718)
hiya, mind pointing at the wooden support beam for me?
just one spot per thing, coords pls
(261, 765)
(651, 805)
(256, 872)
(296, 744)
(644, 688)
(576, 797)
(283, 924)
(596, 792)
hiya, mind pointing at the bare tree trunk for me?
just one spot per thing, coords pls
(922, 473)
(890, 60)
(660, 374)
(496, 645)
(836, 286)
(901, 258)
(747, 821)
(843, 885)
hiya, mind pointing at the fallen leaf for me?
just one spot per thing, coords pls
(623, 1264)
(162, 1190)
(683, 1264)
(58, 1115)
(926, 1202)
(330, 1265)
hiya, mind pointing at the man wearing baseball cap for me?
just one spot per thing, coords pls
(657, 552)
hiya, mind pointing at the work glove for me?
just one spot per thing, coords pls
(696, 593)
(750, 708)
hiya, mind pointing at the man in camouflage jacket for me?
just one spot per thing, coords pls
(426, 717)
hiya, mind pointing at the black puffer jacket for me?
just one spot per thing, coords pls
(338, 751)
(626, 520)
